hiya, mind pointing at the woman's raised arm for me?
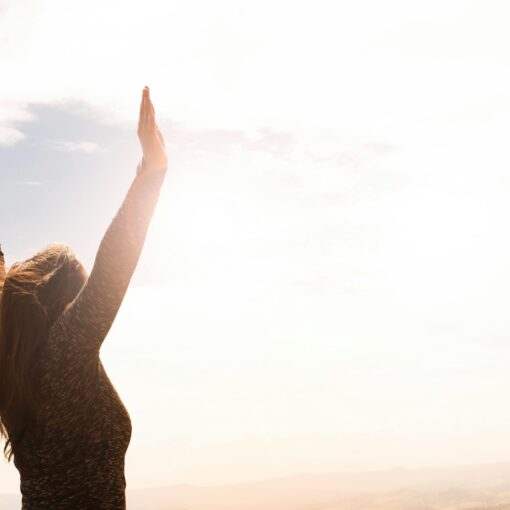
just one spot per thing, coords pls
(89, 316)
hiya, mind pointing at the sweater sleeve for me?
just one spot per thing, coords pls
(89, 317)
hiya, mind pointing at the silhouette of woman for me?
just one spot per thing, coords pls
(60, 416)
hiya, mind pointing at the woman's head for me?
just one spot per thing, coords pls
(35, 292)
(51, 279)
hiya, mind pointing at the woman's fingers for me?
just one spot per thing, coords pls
(151, 122)
(148, 132)
(146, 110)
(142, 114)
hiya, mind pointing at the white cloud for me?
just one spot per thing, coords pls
(83, 146)
(10, 136)
(11, 114)
(26, 183)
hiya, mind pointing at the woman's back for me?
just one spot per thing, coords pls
(74, 457)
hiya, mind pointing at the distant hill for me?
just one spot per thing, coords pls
(458, 488)
(484, 487)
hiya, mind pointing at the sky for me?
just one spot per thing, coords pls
(325, 283)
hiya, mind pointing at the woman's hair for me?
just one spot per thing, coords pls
(35, 292)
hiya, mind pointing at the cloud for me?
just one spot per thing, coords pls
(83, 146)
(26, 183)
(267, 140)
(13, 113)
(10, 136)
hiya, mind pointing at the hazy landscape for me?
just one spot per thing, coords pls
(483, 487)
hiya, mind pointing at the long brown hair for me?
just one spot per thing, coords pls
(34, 294)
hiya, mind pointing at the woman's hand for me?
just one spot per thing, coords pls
(151, 139)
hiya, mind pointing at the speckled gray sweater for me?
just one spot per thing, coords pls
(74, 457)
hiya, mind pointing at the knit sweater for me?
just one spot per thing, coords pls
(73, 457)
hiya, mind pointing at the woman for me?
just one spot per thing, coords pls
(62, 419)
